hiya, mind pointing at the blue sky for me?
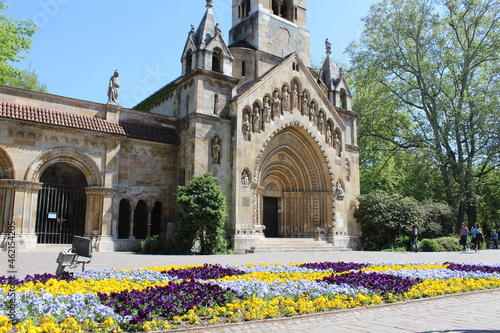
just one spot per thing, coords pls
(81, 43)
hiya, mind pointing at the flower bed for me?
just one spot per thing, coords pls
(162, 298)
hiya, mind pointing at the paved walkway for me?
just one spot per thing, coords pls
(472, 312)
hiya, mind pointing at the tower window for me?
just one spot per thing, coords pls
(244, 9)
(217, 60)
(284, 9)
(343, 99)
(243, 68)
(189, 61)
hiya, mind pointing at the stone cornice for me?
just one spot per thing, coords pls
(20, 185)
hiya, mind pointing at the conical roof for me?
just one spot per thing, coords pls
(330, 71)
(207, 29)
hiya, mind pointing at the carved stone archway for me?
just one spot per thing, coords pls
(72, 156)
(293, 167)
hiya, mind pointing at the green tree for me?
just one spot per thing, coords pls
(15, 38)
(427, 76)
(27, 79)
(201, 216)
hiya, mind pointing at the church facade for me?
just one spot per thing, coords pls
(279, 136)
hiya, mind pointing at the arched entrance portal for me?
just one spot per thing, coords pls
(61, 204)
(296, 192)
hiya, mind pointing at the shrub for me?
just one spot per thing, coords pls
(439, 220)
(430, 245)
(158, 245)
(385, 218)
(450, 243)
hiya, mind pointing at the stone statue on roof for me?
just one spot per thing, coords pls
(113, 88)
(328, 46)
(218, 31)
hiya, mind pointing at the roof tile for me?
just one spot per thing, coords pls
(58, 118)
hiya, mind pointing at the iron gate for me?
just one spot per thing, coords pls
(60, 213)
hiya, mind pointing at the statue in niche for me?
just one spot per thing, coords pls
(285, 100)
(348, 169)
(328, 134)
(245, 181)
(312, 113)
(113, 88)
(256, 119)
(305, 104)
(275, 107)
(336, 143)
(246, 127)
(266, 110)
(340, 191)
(321, 122)
(295, 97)
(215, 151)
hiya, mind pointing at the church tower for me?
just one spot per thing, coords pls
(272, 29)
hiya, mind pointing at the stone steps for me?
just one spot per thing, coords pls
(274, 245)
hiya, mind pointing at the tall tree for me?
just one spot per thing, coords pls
(435, 66)
(201, 216)
(15, 38)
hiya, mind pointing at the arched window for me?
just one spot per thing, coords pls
(343, 99)
(189, 61)
(243, 69)
(140, 220)
(124, 219)
(156, 219)
(217, 58)
(244, 8)
(284, 9)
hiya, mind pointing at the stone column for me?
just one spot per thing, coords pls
(131, 219)
(148, 225)
(19, 205)
(99, 216)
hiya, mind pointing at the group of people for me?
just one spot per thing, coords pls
(476, 235)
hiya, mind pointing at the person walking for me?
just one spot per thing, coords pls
(477, 236)
(494, 237)
(464, 236)
(413, 238)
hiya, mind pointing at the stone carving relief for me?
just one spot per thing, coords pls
(340, 191)
(312, 113)
(246, 127)
(289, 99)
(328, 135)
(272, 187)
(256, 119)
(321, 121)
(216, 150)
(245, 180)
(336, 143)
(285, 100)
(276, 104)
(348, 169)
(305, 103)
(266, 110)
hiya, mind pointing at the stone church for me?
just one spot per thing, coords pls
(279, 136)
